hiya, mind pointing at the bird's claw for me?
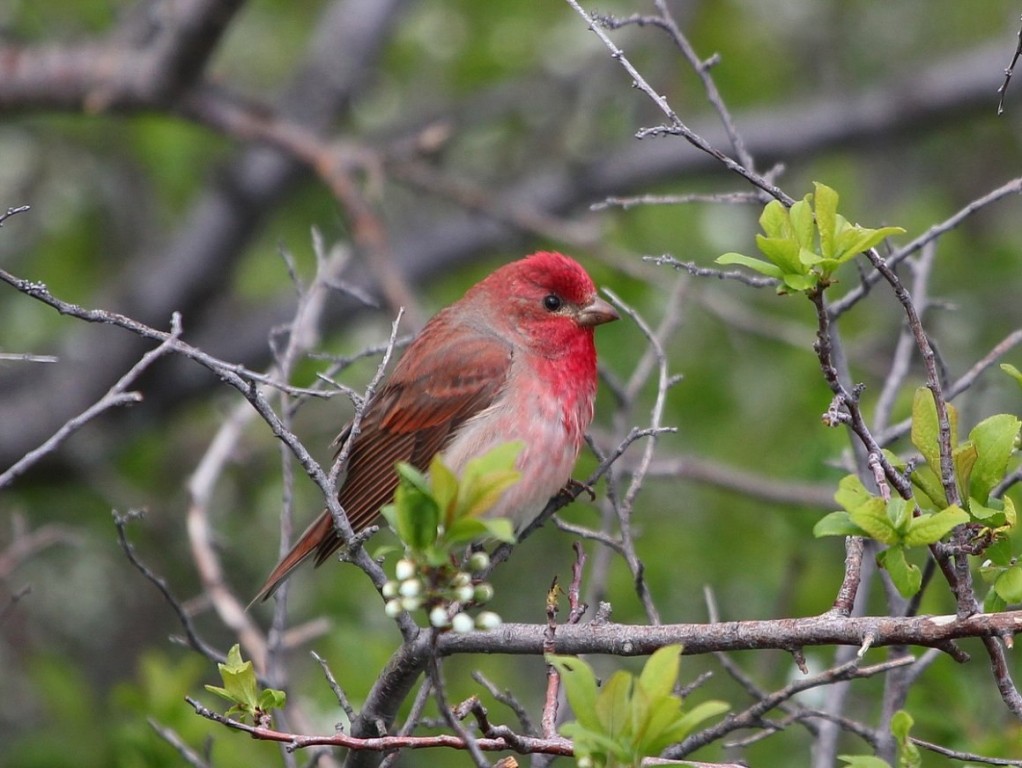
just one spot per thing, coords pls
(574, 489)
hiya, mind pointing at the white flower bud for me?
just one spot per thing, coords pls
(483, 592)
(464, 594)
(479, 561)
(460, 579)
(411, 603)
(488, 620)
(438, 617)
(390, 589)
(410, 588)
(462, 623)
(392, 608)
(404, 569)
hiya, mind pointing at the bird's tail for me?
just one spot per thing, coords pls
(309, 542)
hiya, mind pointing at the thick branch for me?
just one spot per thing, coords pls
(780, 634)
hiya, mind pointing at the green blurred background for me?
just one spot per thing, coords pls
(892, 104)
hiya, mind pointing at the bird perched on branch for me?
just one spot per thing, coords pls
(512, 360)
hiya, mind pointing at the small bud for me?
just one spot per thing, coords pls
(462, 623)
(464, 594)
(392, 608)
(460, 579)
(390, 589)
(488, 620)
(404, 569)
(411, 603)
(483, 592)
(438, 617)
(479, 561)
(410, 588)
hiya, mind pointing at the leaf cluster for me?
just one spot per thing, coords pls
(630, 717)
(805, 244)
(241, 688)
(434, 515)
(980, 464)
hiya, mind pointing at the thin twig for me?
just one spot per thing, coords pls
(1008, 72)
(750, 717)
(339, 694)
(191, 633)
(674, 125)
(116, 396)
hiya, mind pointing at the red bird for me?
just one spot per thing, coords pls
(514, 359)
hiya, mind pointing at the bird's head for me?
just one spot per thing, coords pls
(547, 301)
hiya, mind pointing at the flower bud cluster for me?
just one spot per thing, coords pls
(444, 591)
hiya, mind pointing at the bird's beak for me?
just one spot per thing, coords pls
(596, 312)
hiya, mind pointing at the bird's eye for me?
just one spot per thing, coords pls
(552, 302)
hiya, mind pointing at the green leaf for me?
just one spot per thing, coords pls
(579, 687)
(501, 529)
(763, 267)
(851, 493)
(899, 512)
(239, 678)
(613, 704)
(1010, 518)
(901, 723)
(414, 514)
(872, 518)
(486, 477)
(774, 220)
(837, 524)
(693, 717)
(991, 516)
(856, 239)
(929, 529)
(863, 761)
(221, 692)
(801, 282)
(1000, 551)
(1012, 371)
(465, 529)
(660, 672)
(501, 458)
(906, 577)
(1009, 584)
(994, 603)
(826, 217)
(412, 477)
(908, 753)
(783, 253)
(810, 258)
(590, 742)
(802, 224)
(925, 430)
(271, 698)
(964, 458)
(479, 495)
(654, 722)
(994, 439)
(444, 487)
(926, 480)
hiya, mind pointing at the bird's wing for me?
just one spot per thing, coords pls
(414, 416)
(427, 398)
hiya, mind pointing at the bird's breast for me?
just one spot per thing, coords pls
(549, 416)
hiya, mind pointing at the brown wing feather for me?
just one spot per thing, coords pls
(428, 397)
